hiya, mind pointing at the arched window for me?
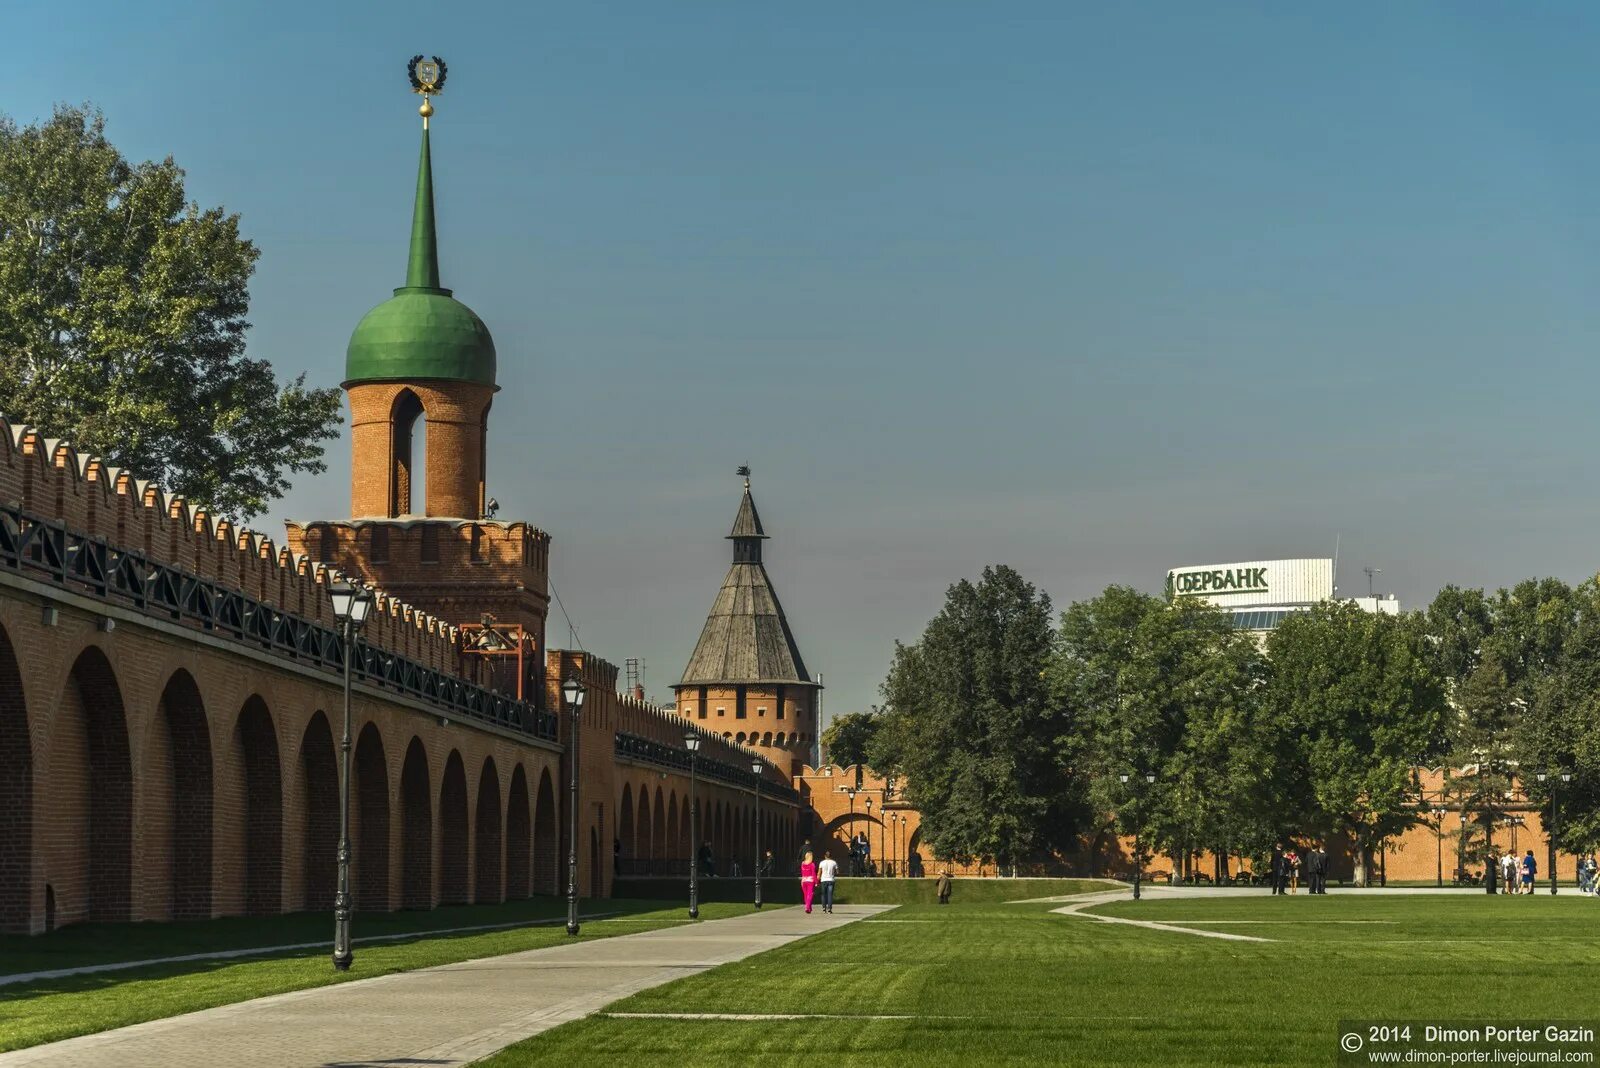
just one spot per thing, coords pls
(739, 737)
(766, 739)
(408, 491)
(780, 738)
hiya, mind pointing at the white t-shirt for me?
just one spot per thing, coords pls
(827, 870)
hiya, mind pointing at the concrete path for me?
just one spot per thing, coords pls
(443, 1016)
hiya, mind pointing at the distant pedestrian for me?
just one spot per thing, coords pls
(1508, 873)
(1319, 870)
(942, 887)
(1280, 869)
(1587, 872)
(827, 872)
(766, 865)
(708, 862)
(1530, 868)
(808, 880)
(1292, 860)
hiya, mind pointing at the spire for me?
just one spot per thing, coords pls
(747, 534)
(422, 272)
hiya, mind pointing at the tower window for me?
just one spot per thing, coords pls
(738, 713)
(780, 711)
(722, 711)
(477, 543)
(430, 544)
(761, 711)
(380, 545)
(702, 711)
(327, 545)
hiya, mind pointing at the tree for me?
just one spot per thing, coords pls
(1362, 694)
(122, 322)
(1559, 732)
(849, 737)
(969, 723)
(1169, 690)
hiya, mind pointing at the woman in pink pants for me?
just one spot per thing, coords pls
(808, 879)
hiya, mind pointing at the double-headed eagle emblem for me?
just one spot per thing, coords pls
(427, 75)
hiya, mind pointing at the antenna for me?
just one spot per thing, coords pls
(1370, 595)
(635, 669)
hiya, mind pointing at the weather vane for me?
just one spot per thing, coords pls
(744, 471)
(427, 76)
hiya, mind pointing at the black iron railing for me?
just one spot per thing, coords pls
(49, 550)
(650, 751)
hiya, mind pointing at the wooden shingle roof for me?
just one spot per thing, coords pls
(746, 637)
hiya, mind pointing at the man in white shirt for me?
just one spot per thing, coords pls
(827, 872)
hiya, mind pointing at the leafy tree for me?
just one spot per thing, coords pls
(969, 722)
(1169, 690)
(1559, 732)
(122, 322)
(849, 737)
(1362, 693)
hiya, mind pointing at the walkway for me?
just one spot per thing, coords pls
(436, 1017)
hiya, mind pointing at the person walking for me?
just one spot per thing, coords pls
(1530, 868)
(808, 880)
(942, 887)
(1322, 868)
(1586, 875)
(827, 872)
(1508, 872)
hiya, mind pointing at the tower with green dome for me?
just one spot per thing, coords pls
(420, 375)
(420, 355)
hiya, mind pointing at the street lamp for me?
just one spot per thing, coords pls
(351, 603)
(691, 742)
(1138, 852)
(868, 870)
(850, 792)
(757, 766)
(1550, 831)
(572, 692)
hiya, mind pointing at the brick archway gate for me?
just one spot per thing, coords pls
(319, 799)
(519, 835)
(256, 744)
(178, 818)
(453, 871)
(416, 829)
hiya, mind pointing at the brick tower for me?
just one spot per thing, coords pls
(420, 377)
(746, 680)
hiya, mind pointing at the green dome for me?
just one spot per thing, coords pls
(420, 333)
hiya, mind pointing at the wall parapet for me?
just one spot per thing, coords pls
(51, 480)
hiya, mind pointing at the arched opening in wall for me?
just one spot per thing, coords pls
(519, 832)
(597, 875)
(780, 738)
(672, 848)
(180, 811)
(371, 804)
(408, 489)
(319, 830)
(545, 842)
(658, 831)
(453, 840)
(625, 822)
(88, 821)
(263, 809)
(644, 823)
(489, 844)
(416, 829)
(16, 797)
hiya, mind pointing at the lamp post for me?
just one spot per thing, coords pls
(1438, 840)
(855, 858)
(691, 742)
(1138, 851)
(868, 870)
(894, 840)
(351, 603)
(1550, 831)
(572, 692)
(757, 765)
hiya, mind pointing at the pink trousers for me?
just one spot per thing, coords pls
(807, 888)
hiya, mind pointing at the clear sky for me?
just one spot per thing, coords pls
(1092, 290)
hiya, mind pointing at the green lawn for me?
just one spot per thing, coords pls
(48, 1010)
(984, 983)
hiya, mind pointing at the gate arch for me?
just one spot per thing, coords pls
(416, 829)
(487, 824)
(519, 831)
(257, 740)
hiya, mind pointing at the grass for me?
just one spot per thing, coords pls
(985, 983)
(49, 1010)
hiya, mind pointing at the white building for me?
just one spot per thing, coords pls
(1258, 594)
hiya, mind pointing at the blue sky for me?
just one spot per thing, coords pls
(1092, 290)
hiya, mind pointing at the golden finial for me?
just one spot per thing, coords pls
(427, 77)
